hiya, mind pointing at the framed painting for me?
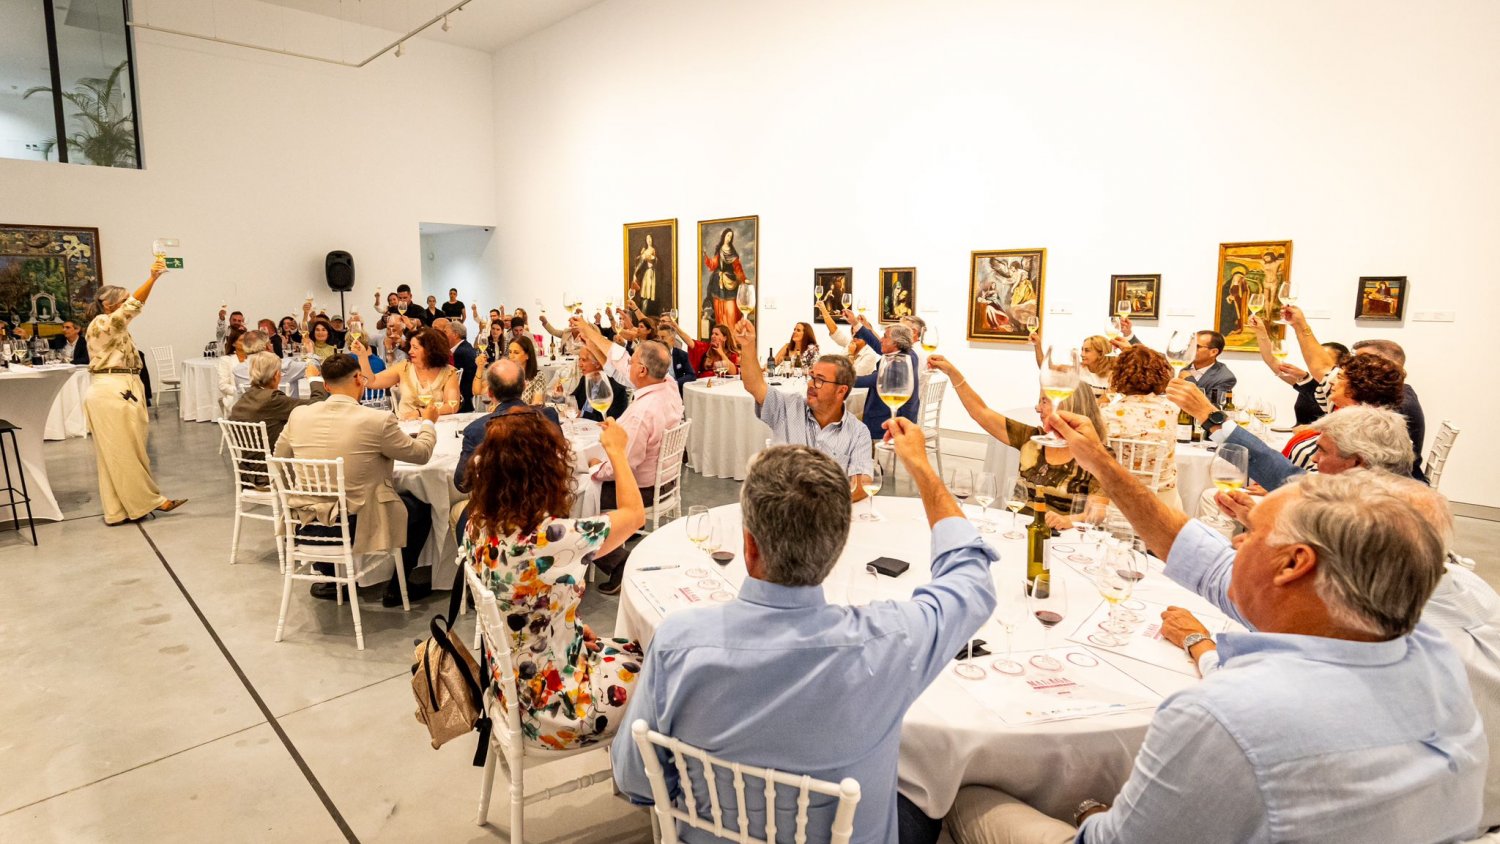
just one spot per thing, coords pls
(728, 257)
(1005, 294)
(1142, 292)
(48, 275)
(831, 286)
(898, 293)
(651, 266)
(1249, 281)
(1381, 297)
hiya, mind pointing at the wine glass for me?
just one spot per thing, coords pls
(1181, 349)
(894, 381)
(930, 338)
(1015, 502)
(1048, 602)
(745, 299)
(960, 483)
(697, 524)
(1086, 511)
(817, 292)
(1010, 608)
(1122, 308)
(1231, 467)
(599, 393)
(861, 307)
(1278, 349)
(1257, 303)
(1115, 580)
(424, 399)
(872, 485)
(1031, 322)
(984, 493)
(721, 369)
(848, 299)
(1288, 294)
(1115, 331)
(1060, 377)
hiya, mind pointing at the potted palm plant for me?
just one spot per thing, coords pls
(106, 133)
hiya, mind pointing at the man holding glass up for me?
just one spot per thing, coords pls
(819, 422)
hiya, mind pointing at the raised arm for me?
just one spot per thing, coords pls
(630, 510)
(754, 378)
(1319, 360)
(383, 380)
(158, 269)
(555, 332)
(993, 422)
(1268, 467)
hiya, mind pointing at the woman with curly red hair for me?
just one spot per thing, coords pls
(1366, 379)
(520, 540)
(1142, 412)
(426, 376)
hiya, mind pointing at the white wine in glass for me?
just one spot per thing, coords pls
(1031, 323)
(872, 483)
(1015, 502)
(1181, 349)
(894, 381)
(1122, 308)
(599, 393)
(1287, 295)
(1231, 467)
(424, 400)
(848, 299)
(1060, 377)
(1257, 303)
(745, 299)
(930, 338)
(1278, 349)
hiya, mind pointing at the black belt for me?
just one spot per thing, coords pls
(115, 371)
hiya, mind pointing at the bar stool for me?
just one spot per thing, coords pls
(10, 488)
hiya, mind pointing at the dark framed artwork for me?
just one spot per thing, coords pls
(1006, 288)
(728, 256)
(1381, 297)
(1143, 292)
(48, 275)
(651, 265)
(1247, 270)
(835, 283)
(898, 293)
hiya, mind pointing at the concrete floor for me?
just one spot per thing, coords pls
(147, 701)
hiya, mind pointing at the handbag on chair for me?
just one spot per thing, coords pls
(446, 683)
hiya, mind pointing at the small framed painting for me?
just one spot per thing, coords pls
(48, 275)
(1005, 294)
(1141, 293)
(1381, 297)
(651, 266)
(1249, 282)
(834, 288)
(898, 293)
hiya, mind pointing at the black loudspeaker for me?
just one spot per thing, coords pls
(339, 268)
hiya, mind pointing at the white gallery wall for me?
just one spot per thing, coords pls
(261, 165)
(459, 259)
(1123, 137)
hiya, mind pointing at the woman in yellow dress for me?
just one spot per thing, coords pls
(116, 406)
(425, 377)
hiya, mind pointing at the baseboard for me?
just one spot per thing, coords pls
(1476, 511)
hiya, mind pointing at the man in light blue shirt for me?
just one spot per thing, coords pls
(1339, 718)
(779, 677)
(822, 421)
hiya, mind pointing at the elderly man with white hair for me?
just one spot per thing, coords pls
(256, 341)
(897, 340)
(264, 401)
(1337, 718)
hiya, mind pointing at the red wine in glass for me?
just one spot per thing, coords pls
(1048, 618)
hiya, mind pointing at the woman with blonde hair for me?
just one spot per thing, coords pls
(116, 406)
(1095, 364)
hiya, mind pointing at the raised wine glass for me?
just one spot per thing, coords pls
(745, 299)
(847, 300)
(1015, 502)
(1048, 603)
(599, 393)
(1256, 303)
(1122, 308)
(1288, 294)
(1181, 349)
(1060, 377)
(817, 293)
(894, 382)
(1031, 322)
(984, 494)
(930, 338)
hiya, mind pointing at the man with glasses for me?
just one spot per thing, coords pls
(820, 422)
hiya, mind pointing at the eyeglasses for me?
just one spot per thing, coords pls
(819, 381)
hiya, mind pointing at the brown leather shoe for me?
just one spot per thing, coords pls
(172, 504)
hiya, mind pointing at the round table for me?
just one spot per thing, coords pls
(26, 396)
(432, 482)
(726, 433)
(66, 418)
(198, 395)
(948, 738)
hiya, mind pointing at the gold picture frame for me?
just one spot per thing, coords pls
(1006, 286)
(1247, 268)
(898, 293)
(721, 272)
(651, 265)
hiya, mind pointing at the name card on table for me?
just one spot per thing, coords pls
(1079, 686)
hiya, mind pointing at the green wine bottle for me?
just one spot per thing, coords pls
(1037, 534)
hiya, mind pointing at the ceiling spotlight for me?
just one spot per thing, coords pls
(400, 48)
(446, 25)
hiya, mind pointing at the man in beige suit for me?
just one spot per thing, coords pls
(370, 441)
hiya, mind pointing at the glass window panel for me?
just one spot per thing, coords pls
(96, 82)
(27, 124)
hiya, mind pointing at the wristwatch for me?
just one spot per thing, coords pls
(1193, 639)
(1215, 421)
(1084, 808)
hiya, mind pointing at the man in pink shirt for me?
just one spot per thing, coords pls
(657, 406)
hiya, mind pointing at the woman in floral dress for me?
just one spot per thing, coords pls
(1143, 413)
(574, 686)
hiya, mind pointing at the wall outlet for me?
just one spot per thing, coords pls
(1059, 309)
(1433, 316)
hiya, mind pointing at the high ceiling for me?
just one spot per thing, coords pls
(486, 25)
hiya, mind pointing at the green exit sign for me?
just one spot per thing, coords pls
(174, 263)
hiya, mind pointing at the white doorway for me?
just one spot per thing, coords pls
(456, 257)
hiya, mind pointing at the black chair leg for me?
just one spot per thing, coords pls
(10, 488)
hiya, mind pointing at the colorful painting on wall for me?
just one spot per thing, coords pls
(898, 293)
(651, 266)
(48, 275)
(1142, 293)
(1250, 279)
(728, 257)
(1381, 297)
(1005, 294)
(833, 288)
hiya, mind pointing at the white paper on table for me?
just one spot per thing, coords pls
(669, 590)
(1145, 643)
(1086, 686)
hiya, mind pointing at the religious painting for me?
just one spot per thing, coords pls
(48, 275)
(1005, 294)
(833, 288)
(728, 259)
(651, 266)
(898, 293)
(1381, 297)
(1249, 283)
(1141, 293)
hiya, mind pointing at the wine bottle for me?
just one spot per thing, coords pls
(1184, 427)
(1228, 402)
(770, 361)
(1037, 534)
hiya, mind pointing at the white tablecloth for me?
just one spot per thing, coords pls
(199, 399)
(947, 739)
(66, 418)
(26, 397)
(1193, 462)
(433, 482)
(726, 432)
